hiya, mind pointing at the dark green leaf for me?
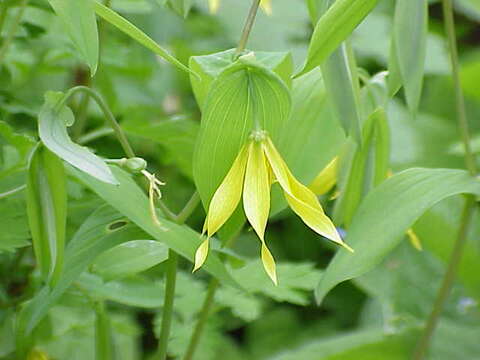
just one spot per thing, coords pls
(404, 197)
(47, 211)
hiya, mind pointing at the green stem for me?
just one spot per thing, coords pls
(448, 279)
(106, 111)
(13, 30)
(94, 135)
(81, 117)
(202, 320)
(167, 313)
(469, 207)
(247, 28)
(171, 278)
(3, 14)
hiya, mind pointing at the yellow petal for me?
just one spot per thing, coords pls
(256, 189)
(201, 254)
(266, 6)
(301, 199)
(269, 263)
(213, 5)
(414, 240)
(326, 179)
(226, 198)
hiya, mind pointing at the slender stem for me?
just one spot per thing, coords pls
(81, 116)
(106, 111)
(202, 320)
(94, 135)
(167, 313)
(247, 28)
(448, 279)
(469, 207)
(11, 192)
(13, 30)
(188, 208)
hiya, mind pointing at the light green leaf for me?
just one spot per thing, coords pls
(78, 17)
(333, 28)
(47, 211)
(104, 229)
(14, 222)
(410, 30)
(209, 67)
(138, 35)
(129, 199)
(404, 197)
(52, 127)
(244, 94)
(130, 258)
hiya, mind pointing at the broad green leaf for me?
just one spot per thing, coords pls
(104, 229)
(78, 17)
(47, 211)
(129, 199)
(130, 258)
(52, 127)
(209, 67)
(316, 8)
(181, 7)
(135, 33)
(410, 30)
(334, 27)
(13, 221)
(245, 94)
(404, 197)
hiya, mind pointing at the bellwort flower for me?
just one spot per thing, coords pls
(257, 166)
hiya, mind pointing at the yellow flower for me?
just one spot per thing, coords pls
(266, 6)
(326, 179)
(255, 169)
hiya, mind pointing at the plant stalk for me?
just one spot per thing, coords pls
(469, 207)
(167, 313)
(13, 29)
(202, 320)
(247, 28)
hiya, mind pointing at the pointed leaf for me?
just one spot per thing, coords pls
(52, 128)
(181, 7)
(404, 197)
(79, 20)
(333, 28)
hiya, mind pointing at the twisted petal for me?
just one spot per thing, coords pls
(326, 179)
(226, 198)
(256, 200)
(301, 199)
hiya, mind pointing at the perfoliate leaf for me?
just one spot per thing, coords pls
(409, 40)
(244, 94)
(52, 128)
(78, 17)
(374, 235)
(47, 211)
(333, 28)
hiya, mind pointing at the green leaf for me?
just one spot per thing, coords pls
(131, 201)
(404, 197)
(52, 127)
(47, 211)
(21, 142)
(209, 67)
(410, 30)
(104, 229)
(181, 7)
(333, 28)
(244, 93)
(295, 281)
(15, 224)
(130, 258)
(78, 18)
(138, 35)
